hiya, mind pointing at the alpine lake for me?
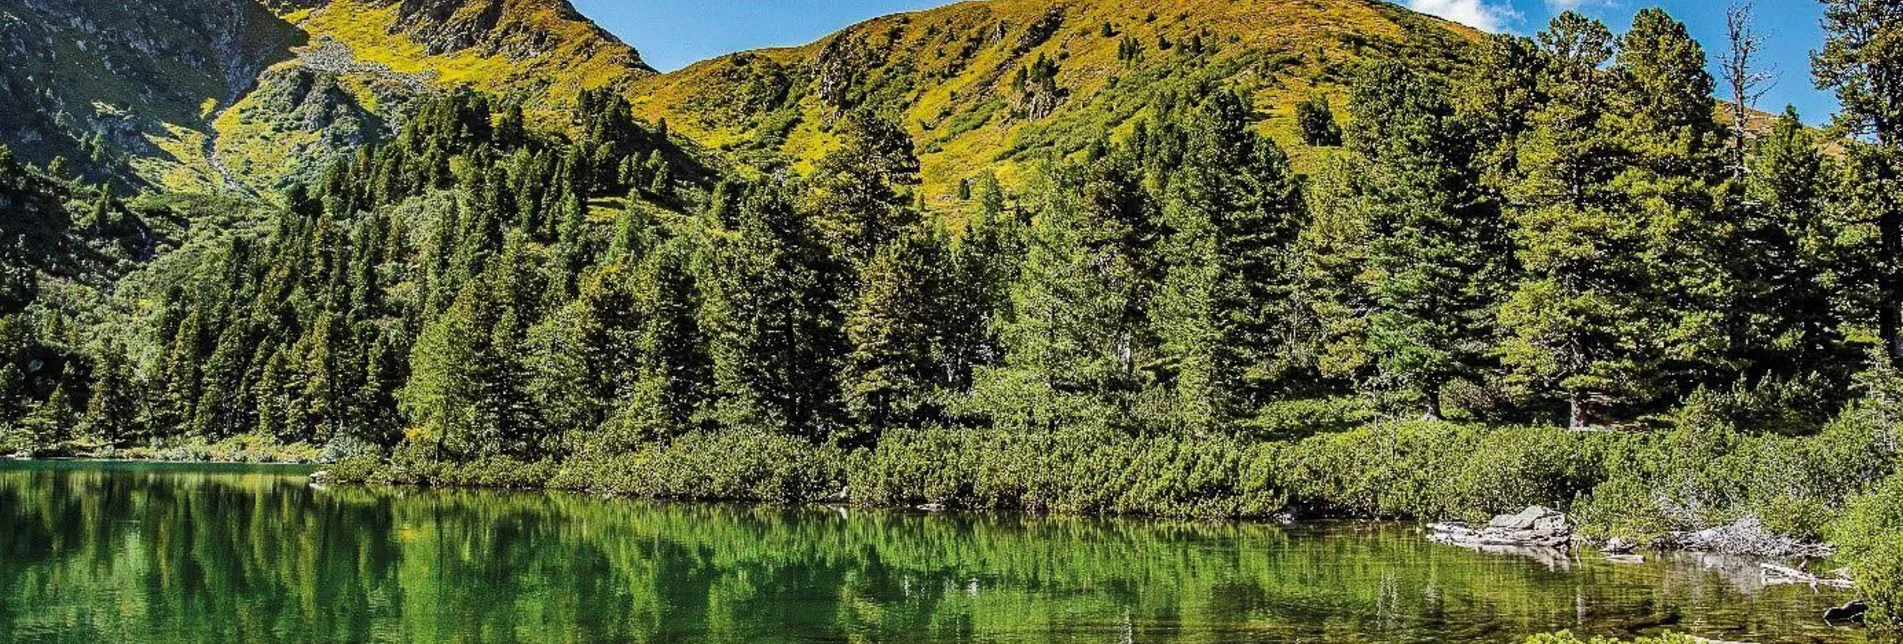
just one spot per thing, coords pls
(98, 552)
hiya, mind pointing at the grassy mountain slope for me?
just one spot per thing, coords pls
(207, 94)
(966, 78)
(204, 95)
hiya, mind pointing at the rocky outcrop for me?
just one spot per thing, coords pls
(1535, 527)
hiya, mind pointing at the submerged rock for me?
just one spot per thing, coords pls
(1533, 527)
(1851, 612)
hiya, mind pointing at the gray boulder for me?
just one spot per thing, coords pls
(1533, 527)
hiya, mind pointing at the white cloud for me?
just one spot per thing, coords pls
(1478, 14)
(1574, 5)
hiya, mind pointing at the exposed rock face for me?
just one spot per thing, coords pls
(148, 91)
(520, 30)
(1533, 527)
(92, 81)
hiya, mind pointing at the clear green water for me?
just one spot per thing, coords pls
(100, 553)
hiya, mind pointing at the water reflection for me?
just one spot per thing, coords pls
(166, 553)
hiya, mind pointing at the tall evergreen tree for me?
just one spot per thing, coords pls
(896, 374)
(1434, 262)
(1791, 281)
(1575, 322)
(775, 307)
(1675, 182)
(1863, 63)
(675, 385)
(862, 191)
(1234, 211)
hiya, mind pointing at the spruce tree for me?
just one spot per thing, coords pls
(775, 307)
(1862, 63)
(1571, 319)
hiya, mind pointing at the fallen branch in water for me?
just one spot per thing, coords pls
(1776, 574)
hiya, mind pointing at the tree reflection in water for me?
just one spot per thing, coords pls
(137, 552)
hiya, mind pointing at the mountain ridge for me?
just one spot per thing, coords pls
(249, 95)
(951, 74)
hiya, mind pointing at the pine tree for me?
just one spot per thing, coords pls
(1792, 268)
(53, 421)
(985, 263)
(1862, 63)
(1234, 210)
(1496, 104)
(448, 369)
(862, 191)
(1677, 186)
(112, 413)
(1432, 265)
(1571, 318)
(775, 310)
(1315, 118)
(1079, 342)
(676, 374)
(895, 370)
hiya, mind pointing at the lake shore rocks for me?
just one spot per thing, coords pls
(1534, 527)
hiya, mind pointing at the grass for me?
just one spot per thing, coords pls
(582, 57)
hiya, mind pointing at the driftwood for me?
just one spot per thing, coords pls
(1776, 574)
(1747, 536)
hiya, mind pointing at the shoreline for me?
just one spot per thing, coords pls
(1577, 547)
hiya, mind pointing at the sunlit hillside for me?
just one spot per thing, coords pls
(968, 81)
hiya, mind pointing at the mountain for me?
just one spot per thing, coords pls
(205, 94)
(985, 86)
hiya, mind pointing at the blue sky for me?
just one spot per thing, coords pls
(674, 33)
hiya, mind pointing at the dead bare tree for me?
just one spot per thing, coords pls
(1747, 81)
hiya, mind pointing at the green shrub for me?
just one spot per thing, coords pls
(1301, 418)
(1071, 471)
(1870, 535)
(725, 466)
(1436, 471)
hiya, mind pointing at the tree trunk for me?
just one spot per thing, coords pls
(1890, 232)
(1578, 412)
